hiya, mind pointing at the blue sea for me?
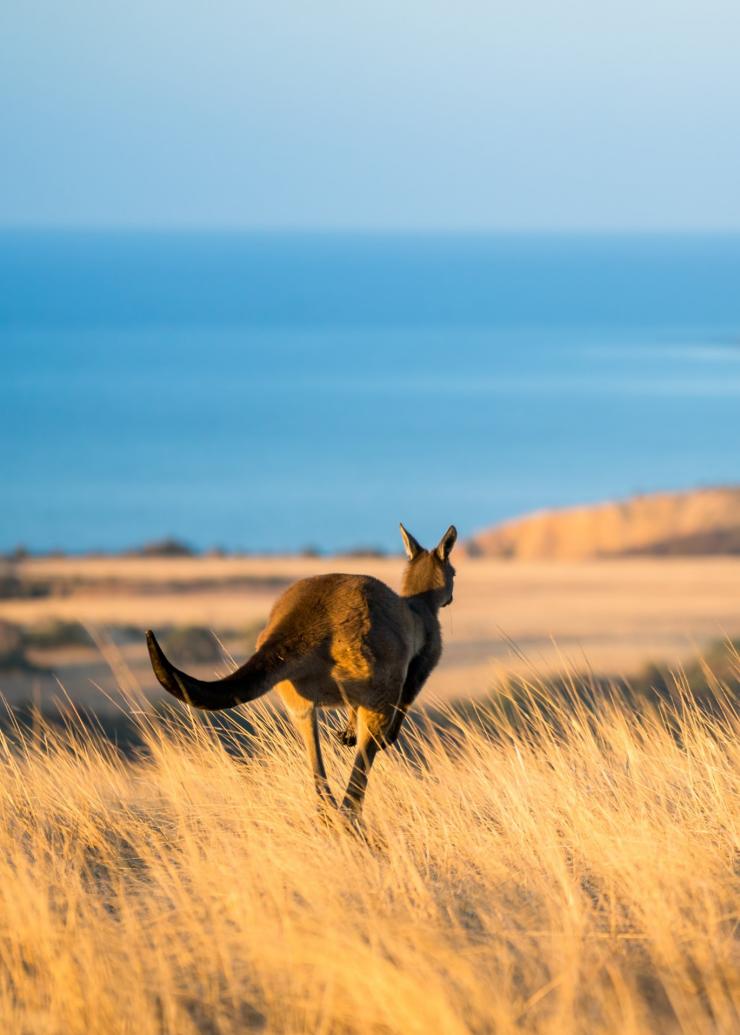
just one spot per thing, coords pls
(273, 392)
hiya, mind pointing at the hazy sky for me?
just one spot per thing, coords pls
(379, 114)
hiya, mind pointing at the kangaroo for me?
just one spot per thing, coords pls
(335, 641)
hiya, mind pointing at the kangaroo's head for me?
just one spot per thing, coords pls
(429, 571)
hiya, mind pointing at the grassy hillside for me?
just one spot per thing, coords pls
(554, 868)
(698, 523)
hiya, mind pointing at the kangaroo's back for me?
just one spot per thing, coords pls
(345, 627)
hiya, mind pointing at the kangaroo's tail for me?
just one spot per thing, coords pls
(254, 678)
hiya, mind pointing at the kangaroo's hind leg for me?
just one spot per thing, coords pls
(305, 719)
(371, 729)
(418, 673)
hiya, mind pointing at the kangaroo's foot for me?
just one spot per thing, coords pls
(341, 820)
(328, 816)
(351, 822)
(347, 736)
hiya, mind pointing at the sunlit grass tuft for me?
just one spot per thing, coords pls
(547, 868)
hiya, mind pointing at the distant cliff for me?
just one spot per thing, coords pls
(704, 521)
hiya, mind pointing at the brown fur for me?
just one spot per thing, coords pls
(340, 641)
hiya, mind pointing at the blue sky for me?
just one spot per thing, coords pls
(416, 115)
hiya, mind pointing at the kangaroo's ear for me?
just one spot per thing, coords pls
(410, 544)
(446, 543)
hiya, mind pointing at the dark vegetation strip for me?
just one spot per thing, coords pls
(12, 587)
(189, 643)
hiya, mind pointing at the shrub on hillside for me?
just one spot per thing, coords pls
(193, 643)
(12, 652)
(56, 632)
(169, 547)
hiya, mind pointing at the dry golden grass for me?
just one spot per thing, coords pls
(521, 879)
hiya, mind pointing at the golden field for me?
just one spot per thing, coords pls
(547, 867)
(535, 860)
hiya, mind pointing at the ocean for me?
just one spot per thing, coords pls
(283, 391)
